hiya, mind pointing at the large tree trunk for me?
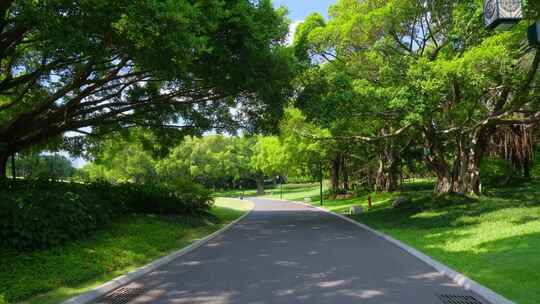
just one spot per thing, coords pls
(387, 178)
(459, 168)
(443, 185)
(259, 179)
(436, 161)
(464, 177)
(479, 142)
(13, 167)
(471, 151)
(388, 170)
(474, 185)
(380, 180)
(3, 165)
(393, 175)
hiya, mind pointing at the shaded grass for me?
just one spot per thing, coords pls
(133, 241)
(494, 239)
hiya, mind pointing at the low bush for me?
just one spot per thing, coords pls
(494, 171)
(499, 172)
(187, 198)
(39, 214)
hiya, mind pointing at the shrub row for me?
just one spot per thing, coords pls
(40, 214)
(187, 199)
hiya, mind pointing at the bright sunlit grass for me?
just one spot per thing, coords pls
(292, 192)
(228, 209)
(493, 239)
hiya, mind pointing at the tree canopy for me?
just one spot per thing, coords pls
(93, 66)
(378, 91)
(216, 161)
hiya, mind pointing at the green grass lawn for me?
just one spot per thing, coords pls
(53, 275)
(293, 192)
(236, 193)
(493, 239)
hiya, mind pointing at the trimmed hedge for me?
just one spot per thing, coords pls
(38, 214)
(187, 199)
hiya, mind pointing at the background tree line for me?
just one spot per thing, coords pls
(216, 161)
(43, 166)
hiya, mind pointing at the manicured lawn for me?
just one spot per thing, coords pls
(236, 193)
(493, 239)
(60, 273)
(293, 192)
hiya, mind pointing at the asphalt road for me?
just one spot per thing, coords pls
(289, 253)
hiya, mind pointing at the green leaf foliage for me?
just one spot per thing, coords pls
(42, 214)
(105, 65)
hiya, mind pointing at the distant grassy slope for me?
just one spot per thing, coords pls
(293, 192)
(62, 272)
(236, 193)
(493, 239)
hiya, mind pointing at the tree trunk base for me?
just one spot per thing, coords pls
(443, 186)
(260, 185)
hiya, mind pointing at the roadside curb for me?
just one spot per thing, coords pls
(116, 283)
(457, 277)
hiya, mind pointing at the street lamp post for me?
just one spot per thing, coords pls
(280, 187)
(280, 181)
(321, 184)
(13, 168)
(241, 188)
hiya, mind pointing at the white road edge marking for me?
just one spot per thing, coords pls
(116, 283)
(457, 277)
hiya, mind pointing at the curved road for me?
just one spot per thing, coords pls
(289, 253)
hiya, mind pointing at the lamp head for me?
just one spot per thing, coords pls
(502, 14)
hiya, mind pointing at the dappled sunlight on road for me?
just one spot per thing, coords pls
(289, 253)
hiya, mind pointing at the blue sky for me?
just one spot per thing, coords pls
(300, 9)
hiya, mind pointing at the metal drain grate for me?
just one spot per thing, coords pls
(458, 299)
(121, 296)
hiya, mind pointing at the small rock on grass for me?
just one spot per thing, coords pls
(401, 202)
(356, 210)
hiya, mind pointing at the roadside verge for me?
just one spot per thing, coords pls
(455, 276)
(116, 283)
